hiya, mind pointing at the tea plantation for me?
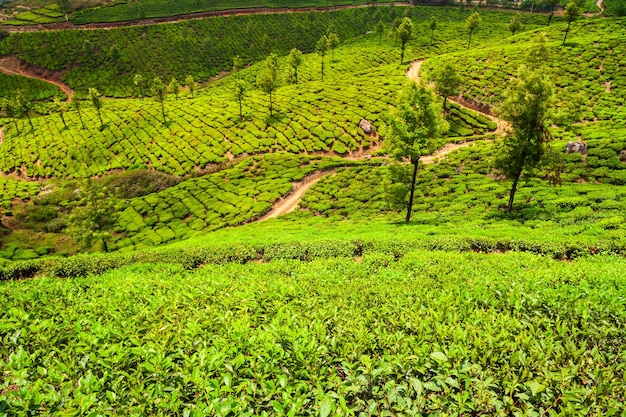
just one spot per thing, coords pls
(141, 273)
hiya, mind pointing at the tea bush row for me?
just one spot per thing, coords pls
(314, 118)
(589, 65)
(226, 198)
(424, 334)
(204, 48)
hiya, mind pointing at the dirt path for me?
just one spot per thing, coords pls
(600, 4)
(1, 135)
(12, 66)
(290, 202)
(413, 73)
(215, 13)
(185, 17)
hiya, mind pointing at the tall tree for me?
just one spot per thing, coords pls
(571, 14)
(237, 63)
(60, 108)
(174, 87)
(8, 107)
(515, 25)
(76, 105)
(64, 6)
(23, 107)
(294, 60)
(239, 93)
(472, 24)
(333, 42)
(447, 82)
(414, 127)
(95, 217)
(96, 101)
(321, 48)
(268, 79)
(380, 29)
(140, 83)
(191, 84)
(526, 107)
(432, 25)
(395, 24)
(552, 4)
(159, 92)
(405, 33)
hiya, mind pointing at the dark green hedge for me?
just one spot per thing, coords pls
(190, 258)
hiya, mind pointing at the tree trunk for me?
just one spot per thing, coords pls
(469, 41)
(271, 110)
(445, 100)
(63, 120)
(322, 67)
(551, 13)
(512, 195)
(80, 116)
(296, 71)
(163, 112)
(100, 117)
(402, 54)
(30, 122)
(17, 129)
(240, 110)
(105, 246)
(412, 192)
(432, 35)
(566, 32)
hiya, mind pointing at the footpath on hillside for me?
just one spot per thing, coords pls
(10, 65)
(290, 202)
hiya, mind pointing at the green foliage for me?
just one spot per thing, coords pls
(116, 12)
(159, 92)
(571, 14)
(516, 25)
(174, 87)
(239, 93)
(333, 42)
(177, 49)
(226, 198)
(447, 82)
(405, 34)
(472, 24)
(527, 108)
(321, 48)
(414, 127)
(35, 90)
(432, 25)
(268, 79)
(92, 221)
(96, 101)
(294, 60)
(11, 189)
(152, 325)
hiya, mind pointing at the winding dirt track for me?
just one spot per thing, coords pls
(10, 65)
(291, 201)
(185, 17)
(215, 13)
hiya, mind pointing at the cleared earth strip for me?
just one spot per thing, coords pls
(10, 65)
(186, 16)
(290, 202)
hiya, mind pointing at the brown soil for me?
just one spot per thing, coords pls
(289, 203)
(184, 17)
(12, 66)
(413, 74)
(1, 135)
